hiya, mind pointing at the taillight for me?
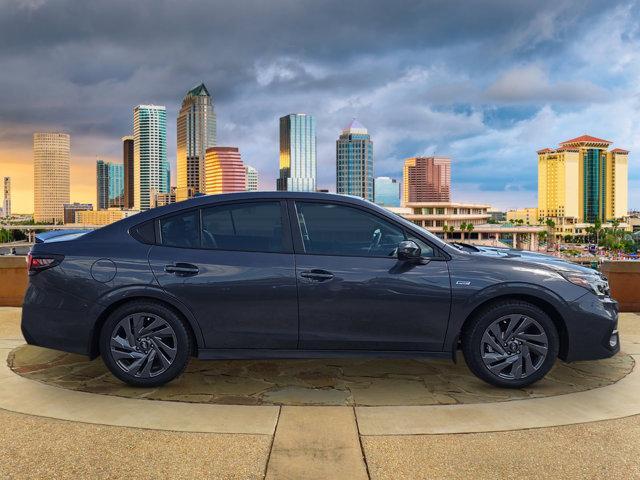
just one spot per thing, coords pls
(39, 262)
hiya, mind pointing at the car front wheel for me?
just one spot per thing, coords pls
(145, 344)
(510, 344)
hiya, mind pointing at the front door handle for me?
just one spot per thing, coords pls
(182, 269)
(317, 275)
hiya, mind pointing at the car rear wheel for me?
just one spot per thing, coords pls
(510, 344)
(145, 344)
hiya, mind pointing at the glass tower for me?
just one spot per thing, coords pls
(150, 166)
(387, 192)
(196, 131)
(354, 162)
(109, 185)
(594, 184)
(297, 153)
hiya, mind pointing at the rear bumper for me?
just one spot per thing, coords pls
(592, 329)
(54, 320)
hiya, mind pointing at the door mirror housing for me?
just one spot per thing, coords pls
(408, 250)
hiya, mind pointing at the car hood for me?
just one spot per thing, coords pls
(552, 263)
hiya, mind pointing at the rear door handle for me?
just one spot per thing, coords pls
(317, 275)
(182, 269)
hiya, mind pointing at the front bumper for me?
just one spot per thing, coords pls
(592, 329)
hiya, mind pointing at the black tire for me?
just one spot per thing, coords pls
(486, 360)
(162, 337)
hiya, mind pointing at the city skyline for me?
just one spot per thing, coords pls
(485, 97)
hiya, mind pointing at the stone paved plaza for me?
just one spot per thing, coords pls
(365, 382)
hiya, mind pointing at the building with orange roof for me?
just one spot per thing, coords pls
(581, 181)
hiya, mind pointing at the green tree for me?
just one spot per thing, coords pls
(550, 226)
(542, 236)
(463, 228)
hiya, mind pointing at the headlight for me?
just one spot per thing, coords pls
(597, 284)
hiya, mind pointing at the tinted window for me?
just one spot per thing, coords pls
(255, 227)
(181, 230)
(339, 230)
(145, 232)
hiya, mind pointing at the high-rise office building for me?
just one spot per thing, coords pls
(225, 172)
(582, 180)
(252, 178)
(426, 179)
(70, 210)
(51, 158)
(196, 131)
(127, 162)
(109, 185)
(297, 153)
(6, 204)
(354, 162)
(387, 192)
(150, 165)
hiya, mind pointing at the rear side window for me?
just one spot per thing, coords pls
(181, 230)
(330, 229)
(145, 232)
(254, 227)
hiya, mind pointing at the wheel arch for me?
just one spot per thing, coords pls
(151, 295)
(543, 304)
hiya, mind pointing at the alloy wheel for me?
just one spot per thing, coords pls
(514, 346)
(143, 345)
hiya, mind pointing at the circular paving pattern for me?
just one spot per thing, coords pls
(360, 382)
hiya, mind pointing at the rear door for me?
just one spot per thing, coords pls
(232, 265)
(353, 291)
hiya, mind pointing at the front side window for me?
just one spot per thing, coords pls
(181, 230)
(330, 229)
(254, 227)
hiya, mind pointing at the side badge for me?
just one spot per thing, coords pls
(461, 282)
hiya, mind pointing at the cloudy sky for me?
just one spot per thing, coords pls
(484, 82)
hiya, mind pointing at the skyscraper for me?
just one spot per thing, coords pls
(426, 179)
(151, 168)
(102, 185)
(127, 162)
(196, 131)
(109, 185)
(51, 156)
(252, 178)
(354, 162)
(582, 181)
(297, 153)
(225, 172)
(6, 205)
(387, 192)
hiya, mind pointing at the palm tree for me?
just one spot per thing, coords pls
(463, 227)
(469, 228)
(550, 226)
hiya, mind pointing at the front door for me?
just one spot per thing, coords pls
(354, 293)
(232, 265)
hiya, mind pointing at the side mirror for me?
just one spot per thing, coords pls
(409, 250)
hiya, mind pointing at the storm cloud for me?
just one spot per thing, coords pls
(487, 83)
